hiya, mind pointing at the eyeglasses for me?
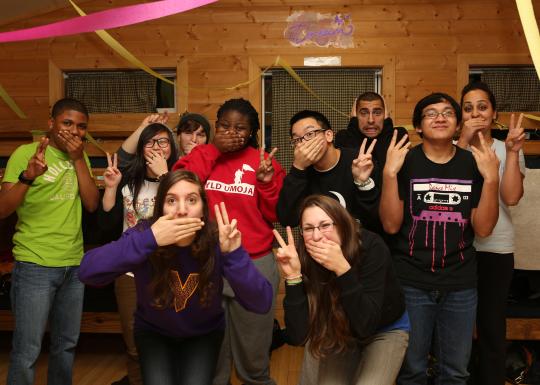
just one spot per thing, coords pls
(162, 142)
(432, 114)
(325, 227)
(308, 136)
(364, 112)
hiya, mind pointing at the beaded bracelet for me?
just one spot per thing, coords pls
(293, 280)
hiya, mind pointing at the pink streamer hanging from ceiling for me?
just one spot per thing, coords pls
(112, 18)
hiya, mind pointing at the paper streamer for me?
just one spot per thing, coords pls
(120, 50)
(112, 18)
(532, 117)
(296, 77)
(528, 21)
(11, 103)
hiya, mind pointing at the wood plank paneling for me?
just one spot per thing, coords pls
(215, 43)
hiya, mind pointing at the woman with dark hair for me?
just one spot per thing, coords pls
(130, 191)
(494, 253)
(178, 258)
(342, 299)
(248, 180)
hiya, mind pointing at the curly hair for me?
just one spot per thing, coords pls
(243, 107)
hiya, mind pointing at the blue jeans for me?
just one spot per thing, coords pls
(442, 323)
(166, 360)
(39, 294)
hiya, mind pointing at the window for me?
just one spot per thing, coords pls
(515, 88)
(121, 91)
(283, 96)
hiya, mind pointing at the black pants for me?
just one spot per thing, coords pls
(171, 361)
(494, 278)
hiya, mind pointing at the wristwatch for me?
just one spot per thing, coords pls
(25, 180)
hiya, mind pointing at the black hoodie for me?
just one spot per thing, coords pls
(353, 137)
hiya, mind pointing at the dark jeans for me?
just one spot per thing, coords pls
(494, 278)
(166, 360)
(38, 294)
(441, 323)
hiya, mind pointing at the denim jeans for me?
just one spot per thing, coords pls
(166, 360)
(441, 323)
(40, 294)
(376, 363)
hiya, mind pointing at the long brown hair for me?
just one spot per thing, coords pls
(329, 329)
(203, 247)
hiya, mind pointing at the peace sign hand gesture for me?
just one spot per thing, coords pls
(287, 256)
(486, 160)
(265, 172)
(516, 135)
(37, 165)
(112, 174)
(230, 237)
(395, 155)
(362, 166)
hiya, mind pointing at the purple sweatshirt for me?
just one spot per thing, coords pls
(186, 317)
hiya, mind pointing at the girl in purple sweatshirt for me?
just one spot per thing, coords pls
(179, 259)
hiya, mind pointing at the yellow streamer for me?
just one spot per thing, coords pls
(11, 103)
(532, 117)
(119, 49)
(296, 77)
(528, 20)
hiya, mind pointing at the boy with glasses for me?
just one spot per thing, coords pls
(435, 199)
(320, 168)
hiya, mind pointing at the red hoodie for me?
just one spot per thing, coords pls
(231, 178)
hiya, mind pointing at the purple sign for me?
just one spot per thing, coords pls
(323, 30)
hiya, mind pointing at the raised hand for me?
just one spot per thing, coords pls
(154, 118)
(308, 152)
(328, 254)
(516, 135)
(169, 230)
(73, 144)
(362, 166)
(112, 175)
(353, 108)
(287, 256)
(156, 162)
(265, 172)
(395, 155)
(227, 141)
(37, 165)
(230, 237)
(486, 160)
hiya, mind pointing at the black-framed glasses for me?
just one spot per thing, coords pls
(307, 136)
(162, 143)
(324, 227)
(432, 114)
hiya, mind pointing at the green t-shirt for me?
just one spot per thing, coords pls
(48, 231)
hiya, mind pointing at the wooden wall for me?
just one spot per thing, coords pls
(423, 46)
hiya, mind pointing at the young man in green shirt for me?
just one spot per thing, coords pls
(45, 183)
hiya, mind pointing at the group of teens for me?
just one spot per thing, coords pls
(402, 249)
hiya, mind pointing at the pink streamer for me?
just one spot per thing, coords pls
(111, 18)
